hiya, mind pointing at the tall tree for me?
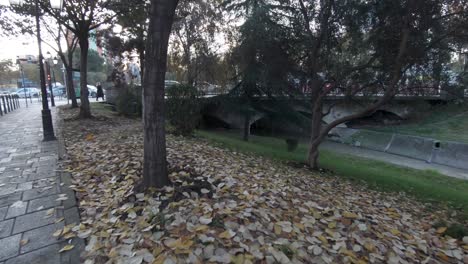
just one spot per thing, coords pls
(363, 47)
(81, 17)
(262, 59)
(160, 25)
(194, 31)
(60, 35)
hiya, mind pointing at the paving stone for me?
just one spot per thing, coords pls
(40, 175)
(32, 220)
(11, 173)
(71, 201)
(9, 199)
(39, 192)
(7, 188)
(24, 186)
(46, 255)
(16, 209)
(40, 237)
(5, 228)
(10, 247)
(44, 202)
(72, 216)
(3, 212)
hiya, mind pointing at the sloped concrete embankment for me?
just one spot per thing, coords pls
(447, 153)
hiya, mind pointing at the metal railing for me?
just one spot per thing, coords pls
(8, 103)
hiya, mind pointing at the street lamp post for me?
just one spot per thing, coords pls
(49, 78)
(18, 61)
(48, 128)
(55, 61)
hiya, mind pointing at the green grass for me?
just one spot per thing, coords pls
(442, 122)
(426, 185)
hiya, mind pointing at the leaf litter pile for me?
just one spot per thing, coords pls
(228, 207)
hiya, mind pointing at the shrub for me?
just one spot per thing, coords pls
(292, 144)
(183, 108)
(129, 101)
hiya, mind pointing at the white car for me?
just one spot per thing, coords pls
(92, 90)
(28, 92)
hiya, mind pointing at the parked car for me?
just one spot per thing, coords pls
(169, 83)
(28, 92)
(59, 91)
(92, 90)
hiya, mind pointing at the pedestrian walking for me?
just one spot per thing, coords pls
(100, 92)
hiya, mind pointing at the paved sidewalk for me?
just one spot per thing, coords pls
(34, 198)
(394, 159)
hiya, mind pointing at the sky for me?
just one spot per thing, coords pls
(12, 46)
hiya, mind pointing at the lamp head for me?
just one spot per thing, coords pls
(56, 4)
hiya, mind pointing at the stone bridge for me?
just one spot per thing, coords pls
(292, 116)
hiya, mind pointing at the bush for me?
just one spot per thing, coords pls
(292, 144)
(183, 108)
(129, 101)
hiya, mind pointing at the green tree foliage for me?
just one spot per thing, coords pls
(263, 62)
(95, 61)
(183, 108)
(6, 71)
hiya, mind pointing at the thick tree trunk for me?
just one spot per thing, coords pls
(70, 87)
(316, 123)
(85, 111)
(154, 164)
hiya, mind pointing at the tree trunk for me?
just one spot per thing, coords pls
(85, 111)
(246, 131)
(141, 53)
(154, 164)
(70, 86)
(316, 123)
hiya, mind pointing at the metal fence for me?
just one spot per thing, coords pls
(8, 103)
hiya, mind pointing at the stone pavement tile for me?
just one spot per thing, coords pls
(41, 175)
(72, 216)
(39, 192)
(24, 186)
(3, 212)
(9, 199)
(71, 201)
(10, 247)
(41, 237)
(17, 209)
(11, 173)
(44, 202)
(5, 228)
(7, 188)
(46, 255)
(33, 220)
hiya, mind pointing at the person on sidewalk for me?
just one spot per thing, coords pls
(100, 92)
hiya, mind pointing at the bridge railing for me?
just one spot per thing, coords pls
(8, 103)
(405, 91)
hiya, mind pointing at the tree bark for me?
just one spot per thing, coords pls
(141, 53)
(246, 132)
(85, 111)
(70, 87)
(69, 77)
(160, 25)
(316, 125)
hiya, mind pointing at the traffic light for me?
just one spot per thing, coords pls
(48, 77)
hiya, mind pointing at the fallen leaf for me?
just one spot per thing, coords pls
(66, 248)
(24, 241)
